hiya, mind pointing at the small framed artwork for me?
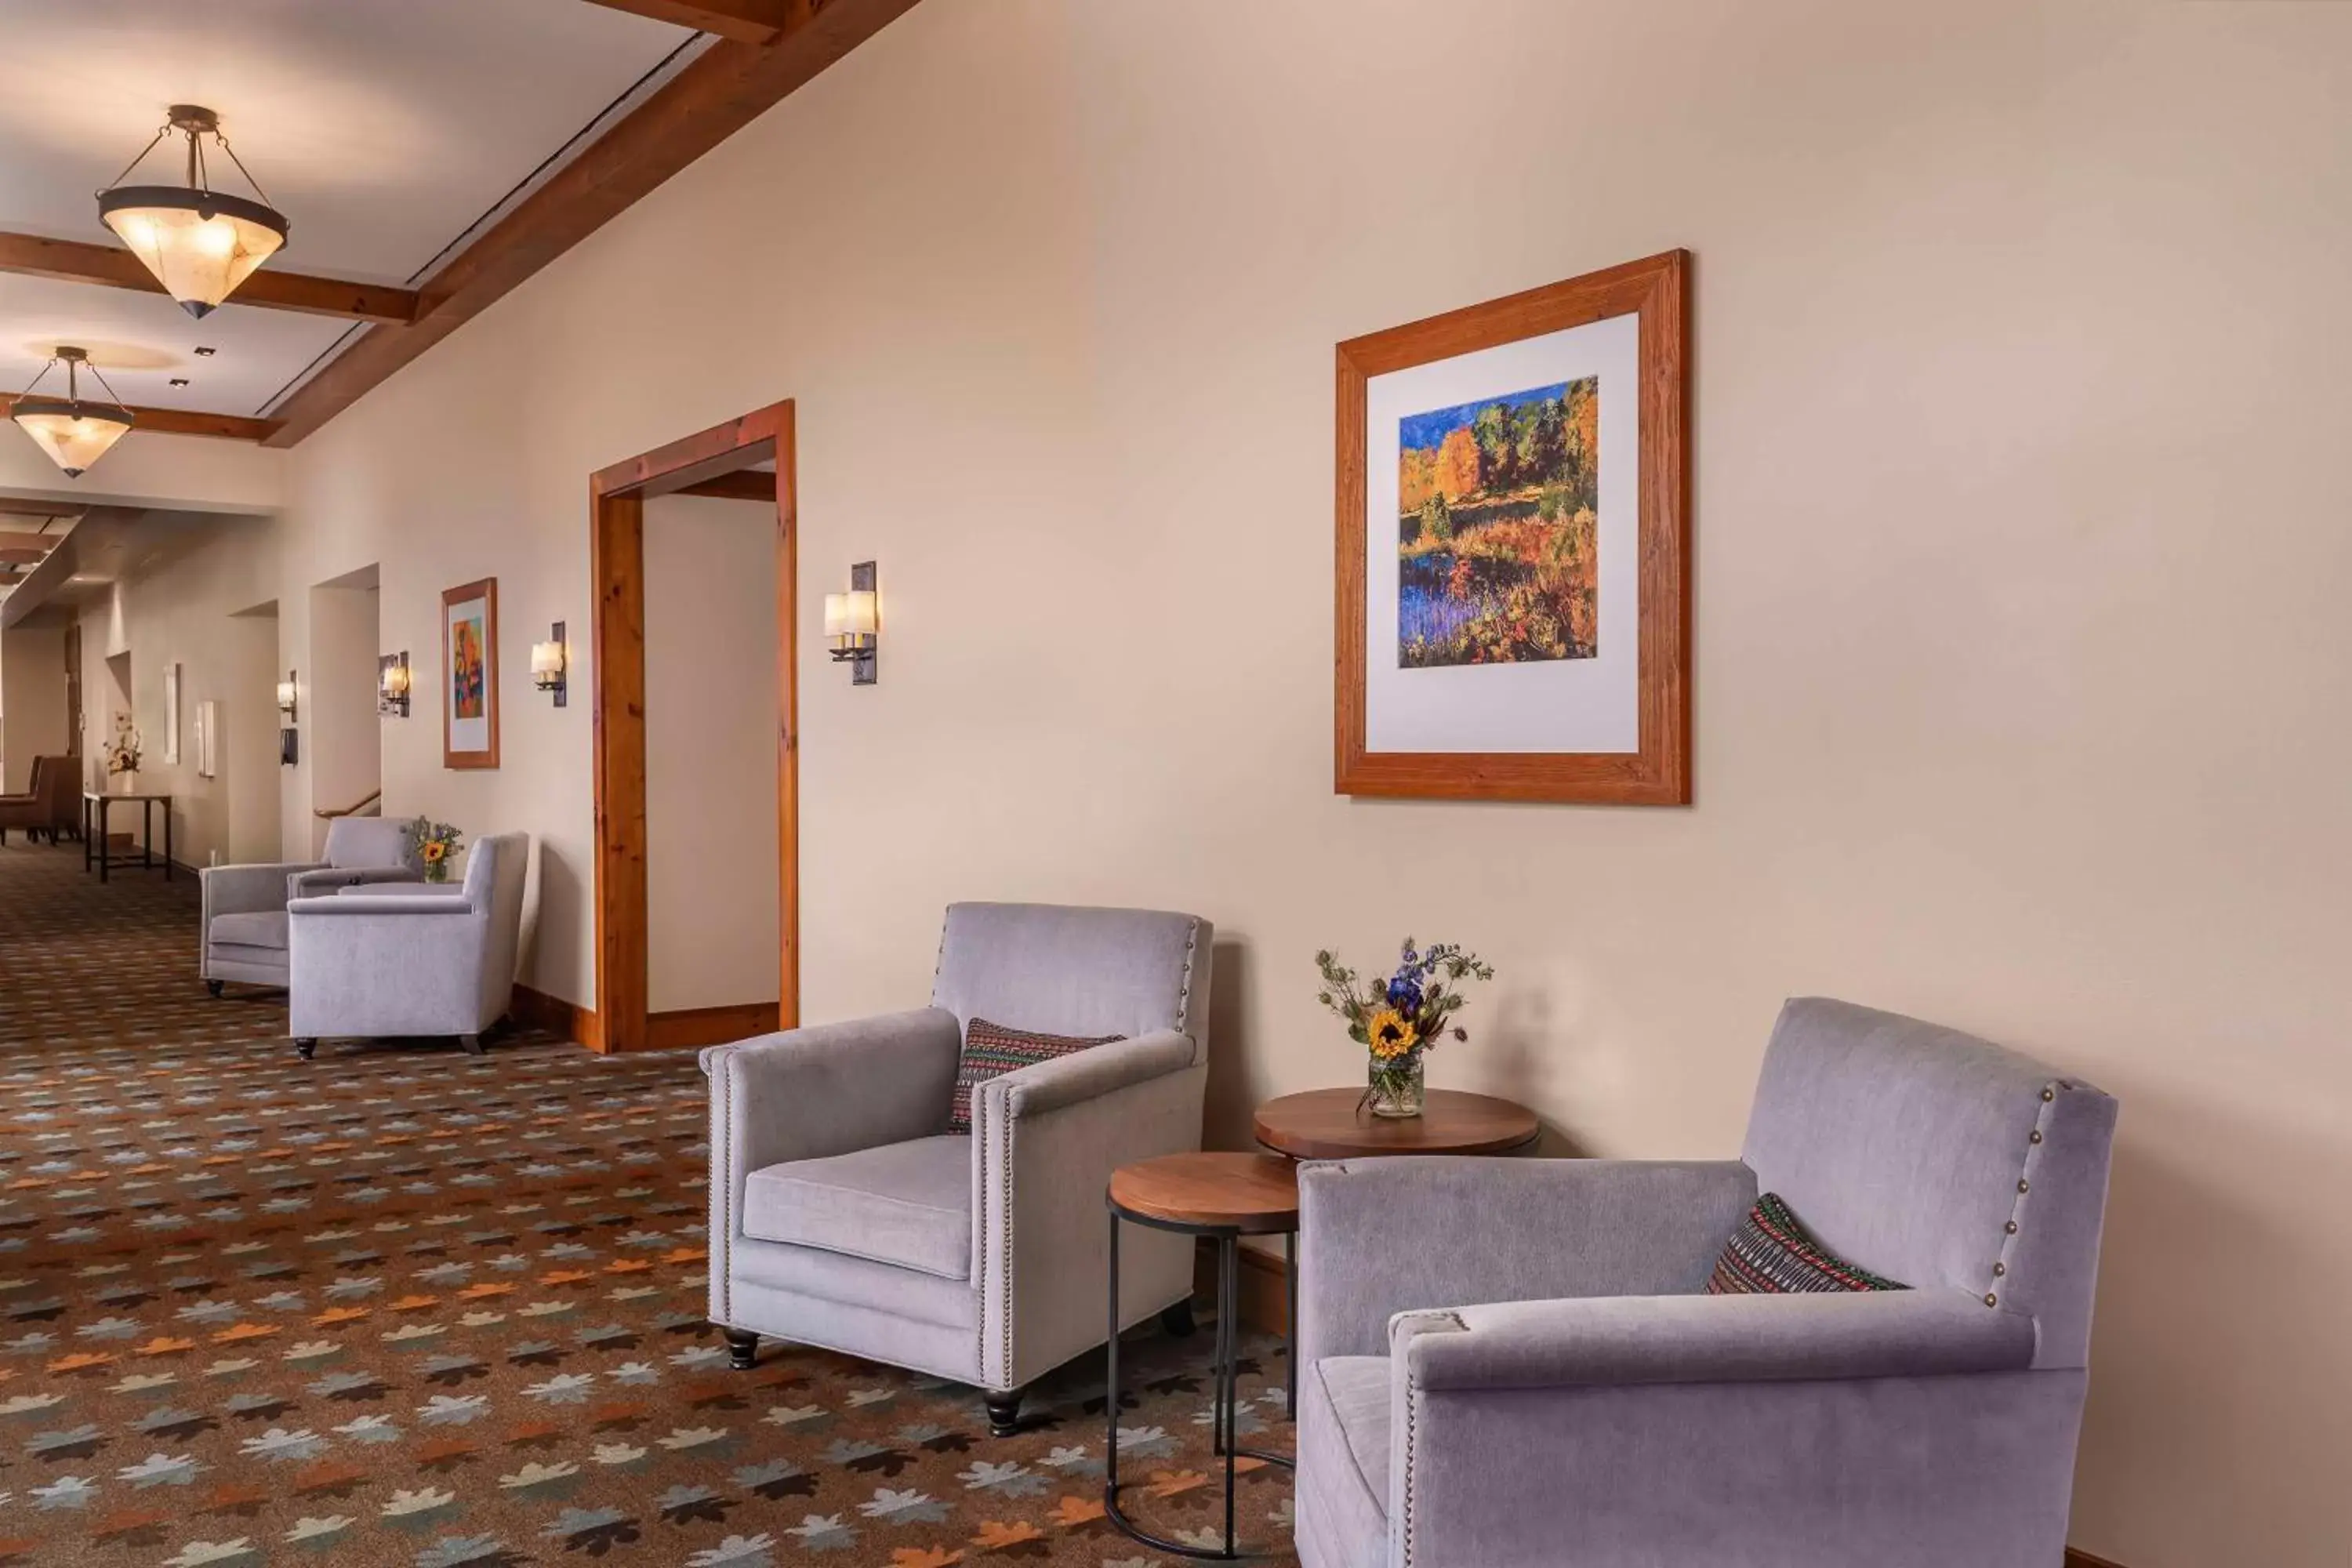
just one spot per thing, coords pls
(469, 675)
(1513, 543)
(172, 712)
(207, 722)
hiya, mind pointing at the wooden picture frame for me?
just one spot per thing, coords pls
(469, 675)
(1619, 563)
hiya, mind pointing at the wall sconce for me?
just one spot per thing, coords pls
(288, 738)
(853, 624)
(549, 665)
(392, 685)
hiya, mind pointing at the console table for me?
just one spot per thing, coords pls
(98, 849)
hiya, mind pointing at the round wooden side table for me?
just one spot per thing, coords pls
(1334, 1124)
(1223, 1197)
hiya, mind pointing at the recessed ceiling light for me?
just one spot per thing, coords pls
(179, 381)
(206, 353)
(199, 242)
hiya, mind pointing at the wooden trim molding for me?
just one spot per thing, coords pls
(536, 1009)
(113, 267)
(682, 1028)
(616, 532)
(2075, 1559)
(745, 21)
(724, 88)
(185, 422)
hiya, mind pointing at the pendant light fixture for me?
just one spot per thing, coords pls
(73, 433)
(198, 242)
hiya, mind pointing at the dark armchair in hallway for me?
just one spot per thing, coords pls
(1509, 1363)
(47, 804)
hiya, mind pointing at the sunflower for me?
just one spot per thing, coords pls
(434, 850)
(1392, 1033)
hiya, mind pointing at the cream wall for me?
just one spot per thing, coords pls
(710, 752)
(32, 701)
(189, 612)
(2022, 678)
(191, 473)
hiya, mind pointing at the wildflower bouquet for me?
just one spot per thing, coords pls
(122, 751)
(1398, 1020)
(434, 844)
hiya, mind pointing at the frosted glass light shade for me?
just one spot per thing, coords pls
(74, 435)
(200, 245)
(849, 615)
(546, 659)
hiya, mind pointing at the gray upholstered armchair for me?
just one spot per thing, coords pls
(1593, 1407)
(245, 906)
(427, 960)
(845, 1213)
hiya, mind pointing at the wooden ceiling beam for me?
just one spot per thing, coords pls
(70, 260)
(724, 88)
(12, 507)
(181, 422)
(745, 21)
(743, 484)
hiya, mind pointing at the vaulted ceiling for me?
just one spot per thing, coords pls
(430, 154)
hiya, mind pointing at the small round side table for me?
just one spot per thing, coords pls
(1332, 1124)
(1224, 1197)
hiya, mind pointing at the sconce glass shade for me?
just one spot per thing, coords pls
(286, 698)
(395, 681)
(74, 434)
(849, 615)
(546, 664)
(200, 245)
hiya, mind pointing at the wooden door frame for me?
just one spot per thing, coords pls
(624, 1019)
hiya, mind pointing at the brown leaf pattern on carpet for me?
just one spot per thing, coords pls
(400, 1306)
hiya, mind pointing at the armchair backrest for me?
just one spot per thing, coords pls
(356, 843)
(56, 783)
(1938, 1159)
(496, 870)
(1060, 970)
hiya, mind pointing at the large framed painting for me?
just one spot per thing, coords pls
(1514, 548)
(469, 675)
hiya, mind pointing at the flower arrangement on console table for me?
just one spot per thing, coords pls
(434, 844)
(122, 755)
(1399, 1021)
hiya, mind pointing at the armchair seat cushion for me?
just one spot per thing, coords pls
(1343, 1477)
(264, 928)
(905, 1203)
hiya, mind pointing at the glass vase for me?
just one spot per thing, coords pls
(1396, 1087)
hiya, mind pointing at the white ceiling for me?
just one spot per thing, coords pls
(382, 128)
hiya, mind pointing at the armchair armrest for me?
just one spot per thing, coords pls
(326, 879)
(1382, 1236)
(1089, 1074)
(1685, 1430)
(1617, 1339)
(374, 903)
(829, 1089)
(247, 889)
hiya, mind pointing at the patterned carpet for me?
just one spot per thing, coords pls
(400, 1306)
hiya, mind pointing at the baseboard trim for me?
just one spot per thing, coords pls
(1262, 1290)
(682, 1028)
(536, 1009)
(2085, 1560)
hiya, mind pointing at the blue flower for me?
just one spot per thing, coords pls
(1404, 993)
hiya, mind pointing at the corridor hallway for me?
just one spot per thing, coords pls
(401, 1306)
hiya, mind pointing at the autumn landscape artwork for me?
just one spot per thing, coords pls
(1498, 542)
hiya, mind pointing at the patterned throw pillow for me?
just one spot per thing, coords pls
(990, 1050)
(1771, 1255)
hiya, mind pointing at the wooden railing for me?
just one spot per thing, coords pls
(357, 808)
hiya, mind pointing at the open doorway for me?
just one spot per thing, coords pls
(341, 738)
(746, 459)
